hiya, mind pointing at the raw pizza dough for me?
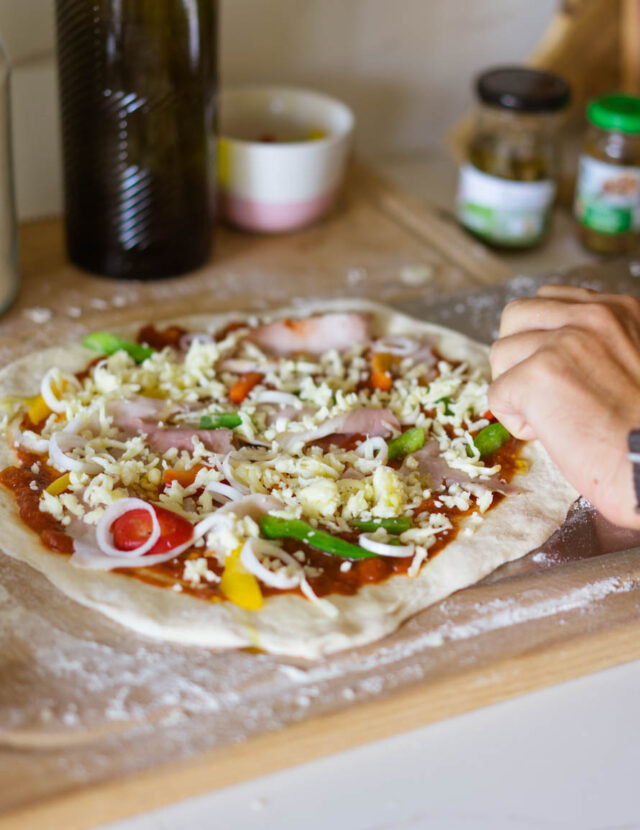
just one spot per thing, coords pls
(288, 624)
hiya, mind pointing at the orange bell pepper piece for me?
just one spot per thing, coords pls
(381, 378)
(243, 386)
(184, 477)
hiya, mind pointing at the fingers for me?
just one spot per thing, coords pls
(536, 314)
(568, 293)
(507, 409)
(603, 314)
(513, 349)
(623, 303)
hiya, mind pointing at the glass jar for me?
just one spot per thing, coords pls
(607, 201)
(507, 188)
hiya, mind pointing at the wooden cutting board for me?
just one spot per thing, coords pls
(97, 724)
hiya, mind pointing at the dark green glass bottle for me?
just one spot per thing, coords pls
(137, 85)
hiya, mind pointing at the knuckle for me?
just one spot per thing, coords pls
(576, 292)
(495, 350)
(515, 306)
(515, 315)
(549, 362)
(631, 305)
(570, 340)
(599, 316)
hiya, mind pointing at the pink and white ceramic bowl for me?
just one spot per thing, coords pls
(282, 154)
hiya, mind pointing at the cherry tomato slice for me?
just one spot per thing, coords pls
(132, 530)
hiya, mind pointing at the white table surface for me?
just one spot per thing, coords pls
(564, 757)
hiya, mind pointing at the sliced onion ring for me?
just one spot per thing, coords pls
(239, 365)
(276, 397)
(120, 508)
(374, 443)
(61, 461)
(251, 562)
(209, 522)
(226, 471)
(395, 345)
(87, 557)
(401, 551)
(249, 558)
(29, 440)
(52, 400)
(224, 490)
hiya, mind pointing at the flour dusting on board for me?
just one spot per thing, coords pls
(112, 703)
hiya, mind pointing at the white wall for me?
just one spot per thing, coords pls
(405, 66)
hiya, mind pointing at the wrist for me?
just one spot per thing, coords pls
(633, 458)
(613, 493)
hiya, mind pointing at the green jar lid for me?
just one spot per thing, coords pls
(615, 112)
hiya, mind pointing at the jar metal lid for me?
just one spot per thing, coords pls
(521, 89)
(615, 112)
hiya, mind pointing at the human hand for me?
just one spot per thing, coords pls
(566, 370)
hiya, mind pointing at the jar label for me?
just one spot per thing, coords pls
(503, 211)
(607, 196)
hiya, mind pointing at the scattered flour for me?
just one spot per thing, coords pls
(38, 315)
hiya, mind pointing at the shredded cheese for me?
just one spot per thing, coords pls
(120, 407)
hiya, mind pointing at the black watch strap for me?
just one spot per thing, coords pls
(634, 458)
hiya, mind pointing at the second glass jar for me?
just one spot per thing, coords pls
(507, 187)
(607, 203)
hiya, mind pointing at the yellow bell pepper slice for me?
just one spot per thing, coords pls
(239, 585)
(59, 485)
(38, 411)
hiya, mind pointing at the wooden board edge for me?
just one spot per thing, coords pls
(336, 732)
(423, 222)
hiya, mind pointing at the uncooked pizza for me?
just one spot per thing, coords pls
(298, 482)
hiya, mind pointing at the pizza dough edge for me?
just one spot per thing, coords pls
(516, 526)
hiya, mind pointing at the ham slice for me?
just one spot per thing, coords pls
(313, 335)
(140, 416)
(162, 439)
(432, 464)
(359, 422)
(241, 366)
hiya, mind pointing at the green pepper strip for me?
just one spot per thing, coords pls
(230, 420)
(490, 439)
(396, 525)
(274, 527)
(107, 343)
(410, 441)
